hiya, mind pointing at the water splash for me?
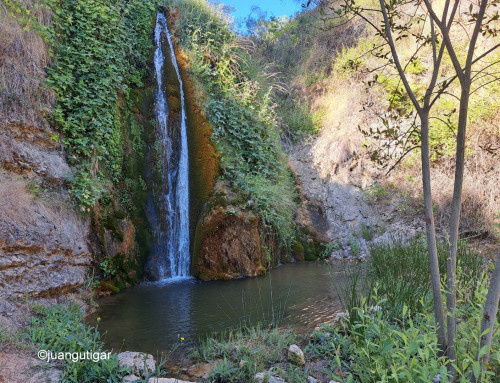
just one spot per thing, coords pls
(175, 198)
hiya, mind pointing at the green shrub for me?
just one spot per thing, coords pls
(385, 351)
(61, 329)
(101, 49)
(379, 348)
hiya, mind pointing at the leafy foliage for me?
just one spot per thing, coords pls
(61, 329)
(101, 49)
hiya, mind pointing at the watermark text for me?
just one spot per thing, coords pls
(74, 357)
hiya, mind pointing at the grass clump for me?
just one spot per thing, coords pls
(401, 272)
(241, 353)
(61, 329)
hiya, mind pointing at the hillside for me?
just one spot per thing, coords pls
(331, 92)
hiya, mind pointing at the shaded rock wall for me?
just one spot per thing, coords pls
(43, 240)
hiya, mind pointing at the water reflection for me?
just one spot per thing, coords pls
(152, 317)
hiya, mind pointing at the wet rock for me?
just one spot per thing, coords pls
(296, 356)
(137, 361)
(227, 241)
(200, 370)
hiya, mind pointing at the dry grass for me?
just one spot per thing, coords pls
(16, 202)
(341, 98)
(23, 58)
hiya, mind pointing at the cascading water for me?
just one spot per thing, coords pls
(174, 199)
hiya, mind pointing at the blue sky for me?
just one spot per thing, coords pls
(243, 8)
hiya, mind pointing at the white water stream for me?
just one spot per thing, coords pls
(176, 200)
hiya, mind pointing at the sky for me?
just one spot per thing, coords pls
(241, 9)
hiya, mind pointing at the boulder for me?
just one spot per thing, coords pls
(296, 356)
(137, 361)
(131, 379)
(266, 377)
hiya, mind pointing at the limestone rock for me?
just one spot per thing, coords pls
(343, 316)
(296, 356)
(137, 361)
(131, 379)
(266, 377)
(227, 241)
(167, 380)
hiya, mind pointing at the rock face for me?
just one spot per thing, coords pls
(43, 240)
(19, 368)
(296, 356)
(333, 179)
(43, 248)
(227, 241)
(138, 362)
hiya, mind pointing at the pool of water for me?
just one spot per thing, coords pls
(153, 317)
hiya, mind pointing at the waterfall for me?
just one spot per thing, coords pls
(175, 260)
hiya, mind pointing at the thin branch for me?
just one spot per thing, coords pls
(396, 58)
(475, 34)
(483, 85)
(401, 158)
(446, 38)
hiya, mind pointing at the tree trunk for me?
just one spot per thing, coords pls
(489, 317)
(451, 265)
(431, 234)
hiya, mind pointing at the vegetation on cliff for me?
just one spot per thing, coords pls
(238, 100)
(341, 89)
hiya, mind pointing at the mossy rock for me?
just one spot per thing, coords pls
(298, 251)
(108, 286)
(306, 247)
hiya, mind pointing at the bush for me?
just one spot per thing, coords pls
(383, 351)
(391, 335)
(61, 329)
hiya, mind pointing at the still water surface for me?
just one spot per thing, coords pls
(152, 317)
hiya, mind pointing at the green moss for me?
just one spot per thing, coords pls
(298, 251)
(108, 286)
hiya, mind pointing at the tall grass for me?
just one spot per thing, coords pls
(244, 351)
(399, 273)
